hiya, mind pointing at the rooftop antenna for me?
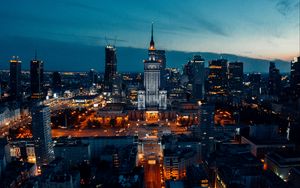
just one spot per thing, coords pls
(152, 30)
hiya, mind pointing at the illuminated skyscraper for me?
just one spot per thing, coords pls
(197, 70)
(15, 78)
(235, 77)
(153, 96)
(41, 132)
(37, 78)
(206, 119)
(110, 66)
(217, 78)
(93, 76)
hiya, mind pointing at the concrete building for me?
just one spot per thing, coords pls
(55, 175)
(73, 152)
(21, 150)
(233, 166)
(177, 161)
(97, 144)
(281, 163)
(264, 139)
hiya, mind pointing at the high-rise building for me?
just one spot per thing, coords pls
(116, 89)
(110, 66)
(235, 77)
(295, 76)
(56, 82)
(154, 97)
(217, 78)
(93, 76)
(255, 84)
(41, 132)
(37, 78)
(15, 78)
(206, 120)
(197, 70)
(274, 83)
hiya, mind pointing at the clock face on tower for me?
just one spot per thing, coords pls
(151, 66)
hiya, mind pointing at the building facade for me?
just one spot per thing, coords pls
(37, 78)
(198, 77)
(15, 78)
(110, 66)
(235, 77)
(217, 78)
(41, 132)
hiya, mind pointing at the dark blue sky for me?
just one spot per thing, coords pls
(266, 29)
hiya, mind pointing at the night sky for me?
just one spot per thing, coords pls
(267, 29)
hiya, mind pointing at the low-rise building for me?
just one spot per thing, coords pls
(21, 150)
(8, 114)
(259, 148)
(72, 151)
(177, 161)
(17, 172)
(281, 163)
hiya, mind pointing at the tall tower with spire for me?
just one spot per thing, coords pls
(151, 49)
(37, 78)
(152, 96)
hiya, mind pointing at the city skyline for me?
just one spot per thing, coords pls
(150, 94)
(258, 29)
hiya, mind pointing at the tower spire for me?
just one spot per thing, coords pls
(152, 41)
(152, 31)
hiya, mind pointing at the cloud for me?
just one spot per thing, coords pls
(284, 7)
(189, 22)
(212, 27)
